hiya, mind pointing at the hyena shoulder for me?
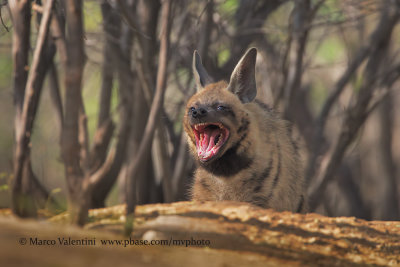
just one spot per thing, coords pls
(284, 184)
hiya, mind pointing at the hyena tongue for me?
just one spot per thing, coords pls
(206, 145)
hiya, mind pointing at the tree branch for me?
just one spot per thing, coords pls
(250, 14)
(156, 105)
(300, 29)
(322, 119)
(111, 54)
(204, 41)
(58, 34)
(21, 15)
(22, 168)
(70, 146)
(357, 114)
(105, 173)
(55, 94)
(130, 20)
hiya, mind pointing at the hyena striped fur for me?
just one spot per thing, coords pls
(243, 149)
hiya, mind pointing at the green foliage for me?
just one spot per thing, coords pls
(5, 181)
(55, 191)
(331, 51)
(331, 11)
(92, 15)
(223, 56)
(51, 208)
(4, 187)
(228, 6)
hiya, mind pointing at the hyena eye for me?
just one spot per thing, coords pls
(221, 108)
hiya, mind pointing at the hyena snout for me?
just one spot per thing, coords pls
(199, 112)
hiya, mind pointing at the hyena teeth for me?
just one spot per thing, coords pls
(217, 139)
(220, 140)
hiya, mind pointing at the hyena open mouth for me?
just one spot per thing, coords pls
(210, 137)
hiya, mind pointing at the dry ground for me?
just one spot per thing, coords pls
(237, 234)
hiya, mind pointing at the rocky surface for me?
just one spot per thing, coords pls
(213, 234)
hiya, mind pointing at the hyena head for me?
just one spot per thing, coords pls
(214, 116)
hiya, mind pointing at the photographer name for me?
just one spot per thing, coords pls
(62, 241)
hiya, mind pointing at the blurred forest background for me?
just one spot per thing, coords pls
(92, 95)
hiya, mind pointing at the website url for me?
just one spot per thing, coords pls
(163, 242)
(68, 241)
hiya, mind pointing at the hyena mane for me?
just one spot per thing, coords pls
(243, 149)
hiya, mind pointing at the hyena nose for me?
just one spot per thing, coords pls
(199, 112)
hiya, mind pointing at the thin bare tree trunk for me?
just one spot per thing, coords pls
(294, 95)
(144, 147)
(55, 93)
(70, 145)
(148, 12)
(378, 169)
(180, 177)
(103, 186)
(105, 125)
(157, 165)
(357, 114)
(112, 32)
(21, 15)
(205, 36)
(375, 38)
(300, 28)
(25, 183)
(389, 209)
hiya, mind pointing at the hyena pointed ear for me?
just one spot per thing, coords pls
(200, 74)
(243, 78)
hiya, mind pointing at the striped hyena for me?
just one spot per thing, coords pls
(243, 149)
